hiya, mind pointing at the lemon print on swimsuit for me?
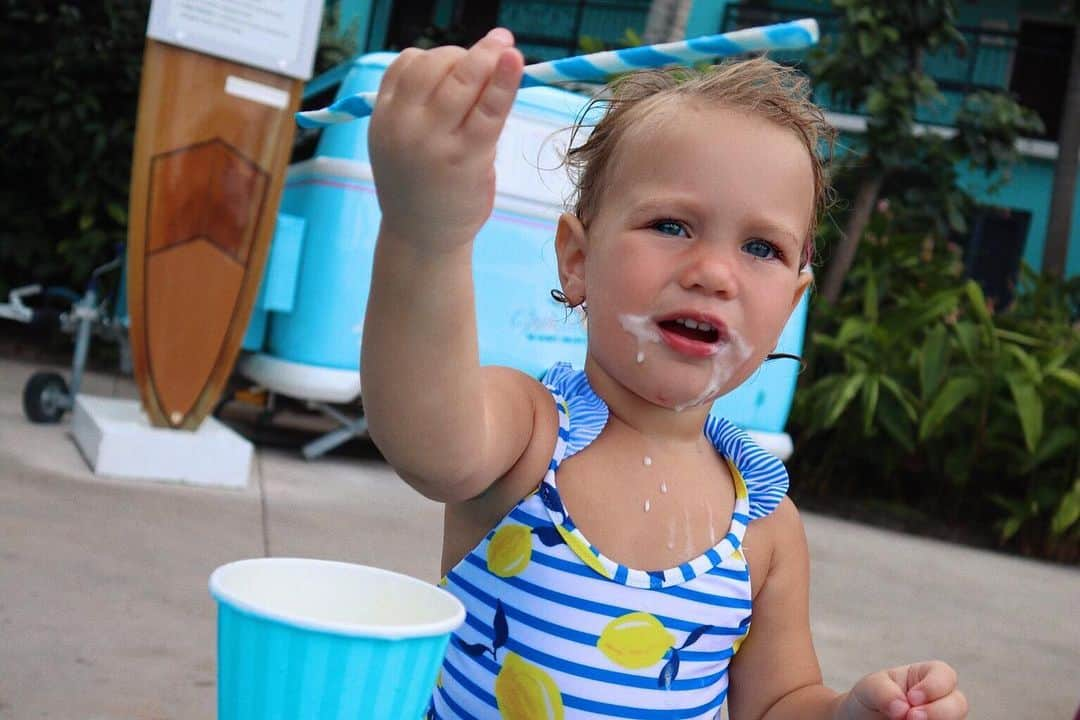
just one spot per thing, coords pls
(636, 640)
(740, 484)
(509, 551)
(524, 691)
(582, 551)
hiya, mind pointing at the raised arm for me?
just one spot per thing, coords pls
(449, 427)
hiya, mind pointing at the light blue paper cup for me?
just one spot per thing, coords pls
(303, 639)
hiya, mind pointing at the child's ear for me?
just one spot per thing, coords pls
(570, 249)
(806, 277)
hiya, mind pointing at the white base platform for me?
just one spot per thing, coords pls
(118, 440)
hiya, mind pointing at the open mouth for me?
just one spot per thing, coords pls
(695, 330)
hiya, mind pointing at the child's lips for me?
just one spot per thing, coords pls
(693, 334)
(687, 346)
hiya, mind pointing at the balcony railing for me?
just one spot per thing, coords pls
(550, 29)
(987, 63)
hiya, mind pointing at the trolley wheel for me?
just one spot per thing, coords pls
(45, 397)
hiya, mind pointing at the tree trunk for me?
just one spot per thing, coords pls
(666, 21)
(841, 261)
(1061, 198)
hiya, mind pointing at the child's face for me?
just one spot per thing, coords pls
(703, 219)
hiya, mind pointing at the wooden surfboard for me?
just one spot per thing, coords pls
(212, 142)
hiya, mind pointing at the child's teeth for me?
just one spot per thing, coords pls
(694, 324)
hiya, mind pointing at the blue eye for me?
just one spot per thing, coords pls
(670, 227)
(761, 248)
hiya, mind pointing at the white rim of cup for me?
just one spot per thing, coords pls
(387, 632)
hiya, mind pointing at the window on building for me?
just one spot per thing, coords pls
(1041, 70)
(993, 252)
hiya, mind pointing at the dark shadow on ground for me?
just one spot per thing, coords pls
(291, 425)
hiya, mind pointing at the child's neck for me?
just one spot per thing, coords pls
(657, 423)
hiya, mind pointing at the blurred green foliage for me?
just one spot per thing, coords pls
(69, 86)
(875, 66)
(590, 44)
(919, 394)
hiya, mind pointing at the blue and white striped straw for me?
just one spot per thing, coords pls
(598, 67)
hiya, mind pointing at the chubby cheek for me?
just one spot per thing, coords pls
(764, 335)
(608, 338)
(747, 367)
(610, 297)
(614, 282)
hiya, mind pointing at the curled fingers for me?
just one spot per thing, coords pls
(485, 119)
(397, 67)
(465, 82)
(410, 87)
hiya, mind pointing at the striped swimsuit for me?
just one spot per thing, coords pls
(555, 629)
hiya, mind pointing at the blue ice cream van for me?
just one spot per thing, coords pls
(304, 334)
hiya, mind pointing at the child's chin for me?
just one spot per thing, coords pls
(680, 399)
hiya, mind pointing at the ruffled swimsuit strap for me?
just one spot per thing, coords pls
(582, 416)
(765, 476)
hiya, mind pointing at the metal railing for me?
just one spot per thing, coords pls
(551, 29)
(985, 63)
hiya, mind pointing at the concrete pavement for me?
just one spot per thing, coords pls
(104, 612)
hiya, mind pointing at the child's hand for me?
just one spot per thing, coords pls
(922, 691)
(433, 134)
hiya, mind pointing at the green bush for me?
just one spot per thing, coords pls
(918, 395)
(69, 86)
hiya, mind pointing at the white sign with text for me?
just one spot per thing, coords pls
(275, 35)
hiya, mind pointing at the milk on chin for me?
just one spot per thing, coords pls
(728, 356)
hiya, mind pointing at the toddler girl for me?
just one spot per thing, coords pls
(620, 552)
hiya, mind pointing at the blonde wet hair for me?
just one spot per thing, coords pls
(759, 87)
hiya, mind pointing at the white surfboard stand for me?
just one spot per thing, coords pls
(117, 439)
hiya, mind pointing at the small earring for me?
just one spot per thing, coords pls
(560, 297)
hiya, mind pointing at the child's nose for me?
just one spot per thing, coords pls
(710, 270)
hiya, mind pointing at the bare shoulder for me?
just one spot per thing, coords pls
(784, 520)
(773, 542)
(536, 408)
(469, 520)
